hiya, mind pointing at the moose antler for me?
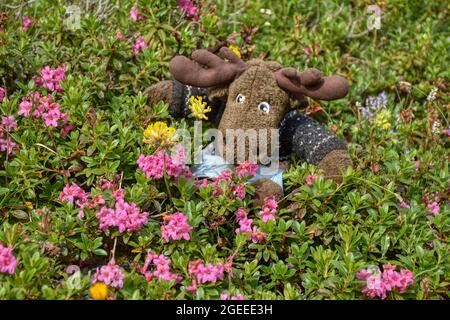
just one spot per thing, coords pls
(218, 72)
(310, 83)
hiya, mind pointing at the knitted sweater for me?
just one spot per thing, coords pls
(305, 137)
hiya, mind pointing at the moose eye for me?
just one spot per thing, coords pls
(264, 107)
(240, 98)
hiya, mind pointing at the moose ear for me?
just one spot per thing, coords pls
(218, 93)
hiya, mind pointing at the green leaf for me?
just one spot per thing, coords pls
(19, 214)
(100, 252)
(3, 190)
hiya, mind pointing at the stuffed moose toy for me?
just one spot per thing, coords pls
(256, 95)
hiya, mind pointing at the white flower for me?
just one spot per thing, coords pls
(266, 11)
(436, 127)
(432, 95)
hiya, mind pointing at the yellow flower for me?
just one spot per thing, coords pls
(198, 107)
(158, 134)
(99, 291)
(235, 50)
(29, 204)
(382, 119)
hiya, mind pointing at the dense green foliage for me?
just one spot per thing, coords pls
(323, 235)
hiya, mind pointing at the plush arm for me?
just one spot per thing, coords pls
(311, 142)
(177, 96)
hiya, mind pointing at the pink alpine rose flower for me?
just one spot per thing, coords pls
(73, 194)
(25, 108)
(110, 275)
(2, 94)
(9, 123)
(8, 262)
(245, 225)
(309, 179)
(176, 226)
(203, 273)
(106, 184)
(378, 283)
(8, 146)
(125, 217)
(50, 78)
(434, 208)
(226, 296)
(239, 191)
(257, 236)
(135, 15)
(26, 22)
(269, 209)
(139, 45)
(240, 214)
(189, 8)
(153, 165)
(247, 169)
(160, 270)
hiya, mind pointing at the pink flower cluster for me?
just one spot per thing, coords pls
(432, 202)
(26, 22)
(245, 225)
(46, 109)
(378, 283)
(203, 273)
(227, 177)
(309, 179)
(126, 217)
(175, 226)
(226, 296)
(153, 165)
(95, 202)
(418, 164)
(135, 15)
(246, 169)
(6, 144)
(434, 208)
(106, 184)
(2, 94)
(161, 268)
(75, 194)
(139, 45)
(118, 194)
(404, 205)
(8, 262)
(110, 275)
(239, 191)
(189, 8)
(9, 123)
(444, 132)
(269, 209)
(50, 78)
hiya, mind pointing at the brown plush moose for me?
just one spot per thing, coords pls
(257, 95)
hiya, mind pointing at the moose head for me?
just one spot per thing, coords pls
(258, 91)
